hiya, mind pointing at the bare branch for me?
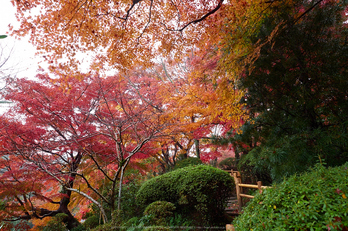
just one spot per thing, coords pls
(140, 95)
(91, 199)
(147, 24)
(91, 187)
(197, 20)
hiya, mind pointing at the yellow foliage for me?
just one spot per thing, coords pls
(39, 222)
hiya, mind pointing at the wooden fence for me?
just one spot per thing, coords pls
(239, 188)
(239, 191)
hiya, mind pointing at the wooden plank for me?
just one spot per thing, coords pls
(247, 196)
(248, 186)
(252, 186)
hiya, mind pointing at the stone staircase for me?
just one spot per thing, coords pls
(232, 206)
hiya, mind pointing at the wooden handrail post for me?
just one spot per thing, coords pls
(239, 198)
(240, 181)
(259, 186)
(239, 189)
(229, 227)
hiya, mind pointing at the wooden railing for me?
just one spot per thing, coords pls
(239, 191)
(239, 188)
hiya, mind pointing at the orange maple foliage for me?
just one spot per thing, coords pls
(193, 102)
(128, 33)
(120, 34)
(135, 33)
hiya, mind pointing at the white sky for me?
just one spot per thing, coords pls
(22, 60)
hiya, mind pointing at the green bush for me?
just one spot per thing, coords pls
(138, 223)
(145, 223)
(160, 211)
(56, 223)
(199, 191)
(228, 163)
(79, 228)
(178, 220)
(187, 162)
(129, 206)
(91, 222)
(316, 200)
(107, 226)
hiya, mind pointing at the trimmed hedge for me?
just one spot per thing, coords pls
(160, 211)
(200, 191)
(316, 200)
(91, 222)
(187, 162)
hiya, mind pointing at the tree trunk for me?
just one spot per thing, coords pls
(198, 153)
(120, 185)
(71, 221)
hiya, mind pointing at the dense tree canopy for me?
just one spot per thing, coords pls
(67, 134)
(130, 32)
(80, 136)
(182, 71)
(126, 34)
(297, 89)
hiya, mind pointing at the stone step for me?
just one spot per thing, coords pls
(232, 206)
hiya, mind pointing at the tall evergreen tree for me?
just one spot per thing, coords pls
(297, 89)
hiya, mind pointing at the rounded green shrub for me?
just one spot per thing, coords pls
(56, 223)
(316, 200)
(138, 223)
(79, 228)
(187, 162)
(228, 163)
(160, 211)
(200, 191)
(91, 222)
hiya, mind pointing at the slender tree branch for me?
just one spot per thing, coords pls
(105, 219)
(197, 20)
(147, 24)
(92, 188)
